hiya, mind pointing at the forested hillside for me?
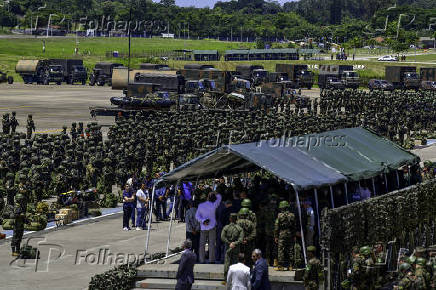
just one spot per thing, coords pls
(338, 20)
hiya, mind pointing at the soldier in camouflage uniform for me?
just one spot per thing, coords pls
(422, 276)
(20, 208)
(14, 123)
(30, 127)
(249, 234)
(313, 274)
(232, 235)
(246, 203)
(407, 280)
(6, 124)
(284, 233)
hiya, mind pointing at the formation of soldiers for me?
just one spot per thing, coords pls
(416, 269)
(161, 140)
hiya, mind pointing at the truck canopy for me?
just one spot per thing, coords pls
(395, 74)
(334, 69)
(199, 66)
(106, 67)
(153, 66)
(428, 73)
(28, 66)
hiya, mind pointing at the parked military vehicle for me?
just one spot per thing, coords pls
(330, 75)
(381, 85)
(256, 74)
(102, 73)
(428, 78)
(73, 70)
(197, 66)
(299, 74)
(32, 70)
(403, 77)
(169, 80)
(5, 78)
(153, 66)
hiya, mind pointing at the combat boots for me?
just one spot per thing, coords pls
(15, 252)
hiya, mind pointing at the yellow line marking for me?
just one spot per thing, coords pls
(10, 108)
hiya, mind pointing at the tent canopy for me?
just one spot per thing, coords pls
(306, 162)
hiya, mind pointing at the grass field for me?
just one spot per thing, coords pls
(93, 50)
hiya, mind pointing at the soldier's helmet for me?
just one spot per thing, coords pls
(283, 204)
(23, 177)
(244, 211)
(311, 249)
(366, 251)
(234, 215)
(411, 260)
(14, 113)
(246, 202)
(19, 197)
(10, 175)
(421, 261)
(405, 267)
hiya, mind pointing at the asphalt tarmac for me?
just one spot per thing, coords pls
(54, 106)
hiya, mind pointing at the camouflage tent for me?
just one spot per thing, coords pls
(306, 162)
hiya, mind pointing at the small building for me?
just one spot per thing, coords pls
(262, 54)
(205, 55)
(427, 42)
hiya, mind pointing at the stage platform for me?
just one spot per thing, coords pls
(207, 277)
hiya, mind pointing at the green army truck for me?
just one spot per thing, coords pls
(403, 77)
(297, 73)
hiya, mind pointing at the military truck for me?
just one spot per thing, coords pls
(32, 70)
(197, 66)
(222, 79)
(256, 74)
(102, 73)
(73, 70)
(330, 74)
(299, 74)
(54, 73)
(428, 78)
(403, 77)
(5, 78)
(169, 80)
(153, 66)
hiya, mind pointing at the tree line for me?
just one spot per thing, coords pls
(343, 21)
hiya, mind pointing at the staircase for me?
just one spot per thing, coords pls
(207, 277)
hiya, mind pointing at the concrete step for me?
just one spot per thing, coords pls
(153, 283)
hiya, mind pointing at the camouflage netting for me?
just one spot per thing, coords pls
(408, 215)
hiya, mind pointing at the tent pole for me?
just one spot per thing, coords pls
(346, 192)
(331, 197)
(195, 187)
(171, 219)
(315, 191)
(373, 186)
(386, 182)
(398, 179)
(149, 221)
(301, 226)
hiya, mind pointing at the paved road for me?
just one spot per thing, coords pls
(84, 254)
(53, 106)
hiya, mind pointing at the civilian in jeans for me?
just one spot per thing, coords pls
(206, 217)
(192, 226)
(142, 198)
(128, 206)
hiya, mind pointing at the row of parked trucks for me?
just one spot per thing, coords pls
(287, 76)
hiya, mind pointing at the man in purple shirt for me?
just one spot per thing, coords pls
(206, 217)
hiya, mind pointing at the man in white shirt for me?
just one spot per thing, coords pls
(238, 277)
(142, 198)
(205, 215)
